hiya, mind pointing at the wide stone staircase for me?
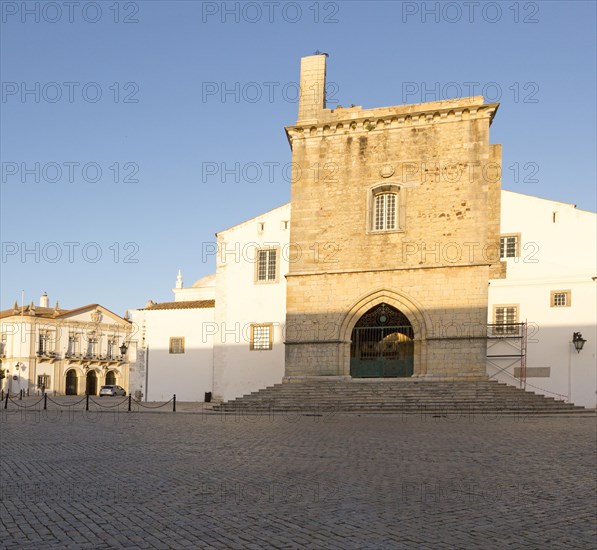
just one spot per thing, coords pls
(406, 396)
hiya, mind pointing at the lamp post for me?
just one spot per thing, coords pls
(123, 349)
(578, 341)
(19, 367)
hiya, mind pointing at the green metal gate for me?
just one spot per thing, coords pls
(378, 352)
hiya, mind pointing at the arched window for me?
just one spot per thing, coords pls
(385, 208)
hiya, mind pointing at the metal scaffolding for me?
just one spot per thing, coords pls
(508, 342)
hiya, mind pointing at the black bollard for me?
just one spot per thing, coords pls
(45, 401)
(130, 397)
(20, 395)
(6, 399)
(174, 403)
(86, 401)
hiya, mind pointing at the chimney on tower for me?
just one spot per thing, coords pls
(44, 301)
(312, 87)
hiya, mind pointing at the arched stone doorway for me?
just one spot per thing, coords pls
(72, 382)
(110, 378)
(382, 344)
(91, 383)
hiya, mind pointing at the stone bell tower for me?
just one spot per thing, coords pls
(395, 219)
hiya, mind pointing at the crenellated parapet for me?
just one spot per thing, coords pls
(341, 121)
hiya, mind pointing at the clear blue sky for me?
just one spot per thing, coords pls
(161, 128)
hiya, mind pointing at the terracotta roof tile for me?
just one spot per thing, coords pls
(194, 304)
(48, 312)
(45, 312)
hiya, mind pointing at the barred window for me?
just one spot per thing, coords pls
(560, 298)
(509, 246)
(261, 337)
(267, 265)
(384, 217)
(177, 344)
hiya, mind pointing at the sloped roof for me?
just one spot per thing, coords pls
(50, 312)
(193, 304)
(38, 311)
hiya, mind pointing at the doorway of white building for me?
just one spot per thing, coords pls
(91, 383)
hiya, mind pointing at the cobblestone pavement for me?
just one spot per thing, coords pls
(205, 480)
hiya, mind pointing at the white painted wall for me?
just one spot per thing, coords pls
(558, 255)
(241, 301)
(159, 374)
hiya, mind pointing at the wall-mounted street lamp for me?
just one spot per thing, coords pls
(578, 341)
(123, 348)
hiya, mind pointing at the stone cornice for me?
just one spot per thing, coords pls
(384, 269)
(384, 119)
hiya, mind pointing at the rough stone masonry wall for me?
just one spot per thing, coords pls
(435, 268)
(446, 306)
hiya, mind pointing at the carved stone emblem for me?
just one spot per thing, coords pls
(386, 171)
(96, 316)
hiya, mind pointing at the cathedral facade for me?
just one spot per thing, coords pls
(395, 210)
(399, 256)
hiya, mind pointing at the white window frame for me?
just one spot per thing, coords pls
(74, 341)
(47, 342)
(507, 250)
(265, 275)
(92, 346)
(383, 223)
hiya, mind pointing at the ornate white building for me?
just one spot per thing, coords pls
(63, 351)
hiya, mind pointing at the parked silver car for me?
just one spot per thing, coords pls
(111, 391)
